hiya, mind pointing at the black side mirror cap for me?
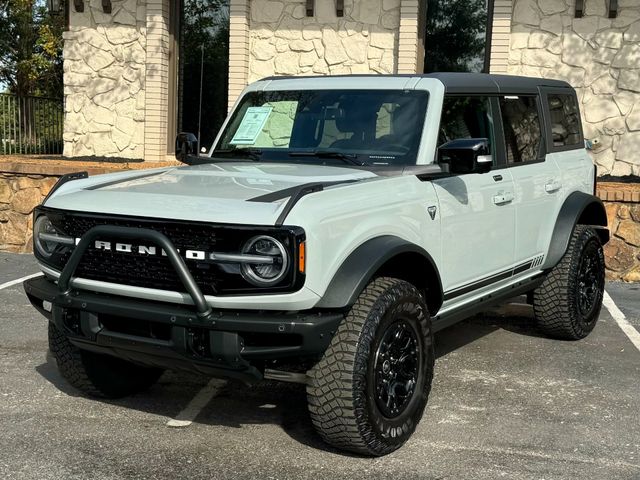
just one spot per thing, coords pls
(186, 146)
(466, 155)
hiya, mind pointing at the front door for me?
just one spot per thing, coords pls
(476, 210)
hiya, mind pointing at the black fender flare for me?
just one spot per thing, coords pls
(361, 265)
(579, 207)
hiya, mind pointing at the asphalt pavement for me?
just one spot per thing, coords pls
(506, 403)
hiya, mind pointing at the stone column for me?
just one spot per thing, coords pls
(157, 80)
(238, 48)
(408, 48)
(500, 33)
(104, 80)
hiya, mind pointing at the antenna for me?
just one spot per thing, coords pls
(200, 104)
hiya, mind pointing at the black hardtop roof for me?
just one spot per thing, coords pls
(485, 83)
(459, 82)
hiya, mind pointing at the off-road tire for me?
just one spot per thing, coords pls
(556, 302)
(340, 388)
(98, 375)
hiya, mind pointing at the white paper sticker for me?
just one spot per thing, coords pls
(251, 125)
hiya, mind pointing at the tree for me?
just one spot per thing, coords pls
(30, 48)
(455, 35)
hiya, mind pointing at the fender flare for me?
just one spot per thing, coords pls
(579, 207)
(361, 265)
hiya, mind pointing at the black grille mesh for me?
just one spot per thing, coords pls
(155, 271)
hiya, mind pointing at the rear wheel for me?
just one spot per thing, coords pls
(567, 304)
(98, 375)
(369, 391)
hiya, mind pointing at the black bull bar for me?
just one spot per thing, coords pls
(227, 354)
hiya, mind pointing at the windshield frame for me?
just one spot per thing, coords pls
(362, 159)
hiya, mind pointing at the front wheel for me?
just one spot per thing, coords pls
(568, 302)
(368, 392)
(98, 375)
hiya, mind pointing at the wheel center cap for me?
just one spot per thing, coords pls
(386, 366)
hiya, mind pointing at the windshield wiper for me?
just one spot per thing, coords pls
(350, 158)
(248, 153)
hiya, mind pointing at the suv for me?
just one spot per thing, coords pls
(333, 227)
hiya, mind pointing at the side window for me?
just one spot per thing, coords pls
(466, 117)
(565, 120)
(521, 124)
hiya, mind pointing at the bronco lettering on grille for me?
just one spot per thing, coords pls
(145, 250)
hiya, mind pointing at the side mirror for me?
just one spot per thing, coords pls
(186, 146)
(466, 155)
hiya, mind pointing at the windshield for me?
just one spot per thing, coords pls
(361, 127)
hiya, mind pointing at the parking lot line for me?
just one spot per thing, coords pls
(195, 406)
(621, 320)
(19, 280)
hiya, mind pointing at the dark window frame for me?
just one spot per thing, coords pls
(550, 147)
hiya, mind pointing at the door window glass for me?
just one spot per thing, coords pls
(565, 120)
(521, 123)
(466, 117)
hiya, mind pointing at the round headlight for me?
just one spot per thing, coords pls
(272, 269)
(44, 247)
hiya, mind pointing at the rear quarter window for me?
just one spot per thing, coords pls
(565, 120)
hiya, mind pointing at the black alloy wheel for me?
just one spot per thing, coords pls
(589, 280)
(396, 368)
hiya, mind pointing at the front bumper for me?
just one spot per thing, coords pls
(221, 343)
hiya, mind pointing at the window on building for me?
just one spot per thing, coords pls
(457, 36)
(202, 64)
(466, 117)
(565, 120)
(521, 125)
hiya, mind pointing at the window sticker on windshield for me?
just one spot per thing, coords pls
(251, 125)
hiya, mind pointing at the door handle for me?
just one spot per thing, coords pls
(552, 186)
(503, 197)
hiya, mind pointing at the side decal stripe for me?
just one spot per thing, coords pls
(518, 269)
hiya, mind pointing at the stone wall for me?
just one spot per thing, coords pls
(19, 195)
(597, 55)
(104, 80)
(284, 41)
(622, 253)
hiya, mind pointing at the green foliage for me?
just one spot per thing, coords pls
(455, 35)
(30, 48)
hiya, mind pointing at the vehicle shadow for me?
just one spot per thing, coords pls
(237, 405)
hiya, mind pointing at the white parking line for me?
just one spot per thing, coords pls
(621, 320)
(19, 280)
(197, 403)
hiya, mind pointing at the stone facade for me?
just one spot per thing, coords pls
(104, 80)
(284, 41)
(598, 56)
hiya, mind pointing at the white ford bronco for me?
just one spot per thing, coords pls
(333, 227)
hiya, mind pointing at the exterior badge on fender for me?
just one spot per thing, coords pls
(432, 211)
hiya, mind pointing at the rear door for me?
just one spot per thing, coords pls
(536, 178)
(477, 212)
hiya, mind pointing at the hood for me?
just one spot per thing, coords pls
(217, 192)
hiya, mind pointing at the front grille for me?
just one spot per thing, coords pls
(155, 271)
